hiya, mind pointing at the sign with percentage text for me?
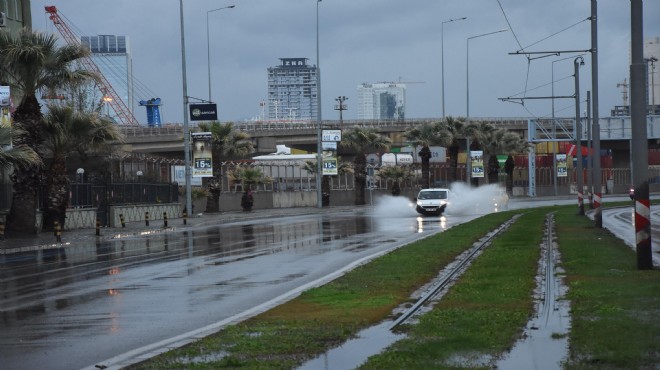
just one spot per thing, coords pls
(331, 135)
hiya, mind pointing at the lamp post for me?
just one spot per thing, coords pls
(579, 61)
(208, 43)
(468, 169)
(554, 124)
(319, 153)
(442, 58)
(186, 128)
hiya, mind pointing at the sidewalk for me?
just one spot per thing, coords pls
(47, 239)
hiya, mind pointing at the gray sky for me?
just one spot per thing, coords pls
(367, 41)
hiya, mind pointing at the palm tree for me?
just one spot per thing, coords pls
(18, 155)
(227, 143)
(395, 174)
(363, 141)
(454, 128)
(67, 132)
(248, 176)
(500, 141)
(426, 135)
(33, 62)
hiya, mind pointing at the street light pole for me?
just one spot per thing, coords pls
(578, 136)
(319, 153)
(208, 43)
(468, 169)
(186, 128)
(442, 58)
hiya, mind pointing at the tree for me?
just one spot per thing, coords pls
(426, 135)
(15, 156)
(395, 174)
(66, 132)
(32, 62)
(227, 143)
(248, 176)
(454, 128)
(500, 141)
(363, 141)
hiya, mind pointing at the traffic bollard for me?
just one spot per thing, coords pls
(185, 217)
(146, 218)
(164, 219)
(98, 226)
(2, 231)
(121, 218)
(57, 230)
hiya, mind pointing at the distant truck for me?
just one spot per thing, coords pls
(432, 201)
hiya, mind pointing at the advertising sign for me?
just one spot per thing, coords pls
(202, 157)
(203, 112)
(178, 175)
(562, 165)
(330, 163)
(477, 163)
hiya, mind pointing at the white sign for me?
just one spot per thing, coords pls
(178, 175)
(438, 154)
(4, 96)
(331, 135)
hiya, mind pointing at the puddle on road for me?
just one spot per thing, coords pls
(354, 352)
(545, 342)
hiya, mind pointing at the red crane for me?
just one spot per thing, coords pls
(124, 115)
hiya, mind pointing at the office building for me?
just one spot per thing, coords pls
(384, 100)
(112, 54)
(292, 91)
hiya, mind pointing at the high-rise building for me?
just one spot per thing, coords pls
(112, 54)
(383, 100)
(292, 90)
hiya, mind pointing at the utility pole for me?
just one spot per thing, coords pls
(578, 136)
(595, 125)
(341, 107)
(639, 151)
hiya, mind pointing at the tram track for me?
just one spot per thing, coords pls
(453, 271)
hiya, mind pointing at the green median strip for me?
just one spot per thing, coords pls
(614, 306)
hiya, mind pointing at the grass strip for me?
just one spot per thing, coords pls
(614, 306)
(324, 317)
(483, 314)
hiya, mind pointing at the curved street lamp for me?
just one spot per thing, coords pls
(208, 43)
(468, 168)
(442, 57)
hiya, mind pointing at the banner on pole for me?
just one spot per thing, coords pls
(562, 165)
(202, 157)
(477, 163)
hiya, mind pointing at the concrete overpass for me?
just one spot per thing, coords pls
(167, 141)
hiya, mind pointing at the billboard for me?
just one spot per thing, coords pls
(203, 112)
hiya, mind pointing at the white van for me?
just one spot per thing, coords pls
(432, 201)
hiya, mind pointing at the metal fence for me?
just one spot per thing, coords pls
(85, 195)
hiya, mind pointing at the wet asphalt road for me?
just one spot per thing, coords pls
(74, 307)
(78, 306)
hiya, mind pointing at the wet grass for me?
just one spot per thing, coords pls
(483, 314)
(614, 307)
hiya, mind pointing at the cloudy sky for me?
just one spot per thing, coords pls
(368, 41)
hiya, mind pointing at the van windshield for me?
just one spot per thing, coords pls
(434, 194)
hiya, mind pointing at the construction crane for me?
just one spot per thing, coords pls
(624, 84)
(124, 115)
